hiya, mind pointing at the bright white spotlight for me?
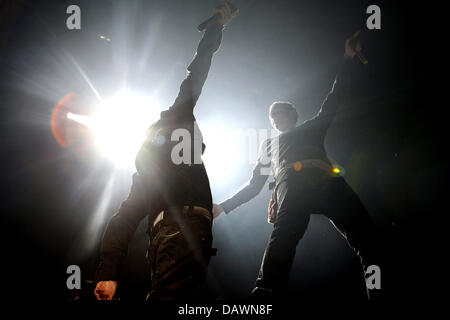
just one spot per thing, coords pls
(120, 125)
(225, 151)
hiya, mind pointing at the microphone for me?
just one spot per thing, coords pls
(205, 24)
(360, 56)
(214, 19)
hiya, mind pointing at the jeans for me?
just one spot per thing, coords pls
(300, 194)
(179, 253)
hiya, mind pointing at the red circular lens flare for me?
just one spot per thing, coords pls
(56, 122)
(298, 166)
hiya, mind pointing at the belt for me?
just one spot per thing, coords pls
(195, 209)
(307, 163)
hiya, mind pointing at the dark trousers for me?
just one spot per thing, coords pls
(300, 194)
(179, 254)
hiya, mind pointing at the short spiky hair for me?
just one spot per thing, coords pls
(284, 105)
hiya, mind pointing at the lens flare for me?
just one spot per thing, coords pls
(298, 166)
(56, 123)
(337, 171)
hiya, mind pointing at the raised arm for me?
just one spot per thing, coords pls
(191, 87)
(334, 98)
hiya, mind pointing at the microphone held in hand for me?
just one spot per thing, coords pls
(214, 19)
(354, 45)
(205, 24)
(361, 57)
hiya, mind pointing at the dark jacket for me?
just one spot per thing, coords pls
(305, 141)
(159, 182)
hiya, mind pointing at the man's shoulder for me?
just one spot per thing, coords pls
(307, 123)
(310, 124)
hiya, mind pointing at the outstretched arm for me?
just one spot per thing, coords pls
(251, 189)
(191, 87)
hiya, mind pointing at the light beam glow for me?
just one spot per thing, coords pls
(119, 125)
(225, 151)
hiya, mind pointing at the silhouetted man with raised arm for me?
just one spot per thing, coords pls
(175, 195)
(305, 183)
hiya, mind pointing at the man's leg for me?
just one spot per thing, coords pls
(290, 225)
(179, 255)
(350, 217)
(348, 214)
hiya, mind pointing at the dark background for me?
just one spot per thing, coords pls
(385, 135)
